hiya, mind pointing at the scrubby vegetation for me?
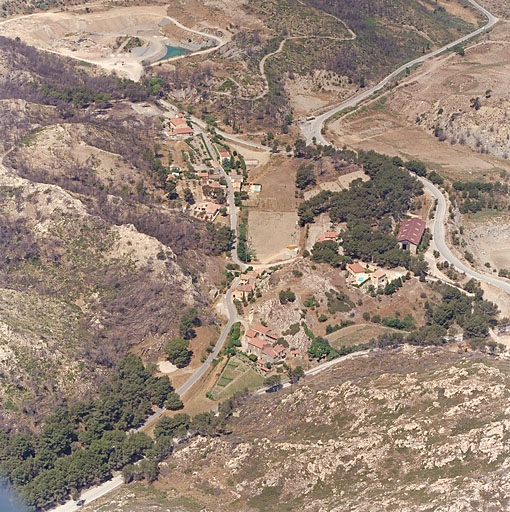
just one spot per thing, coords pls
(475, 196)
(117, 261)
(61, 82)
(378, 47)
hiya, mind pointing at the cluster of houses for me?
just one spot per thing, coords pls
(409, 238)
(178, 127)
(261, 341)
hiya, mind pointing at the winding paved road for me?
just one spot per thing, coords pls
(440, 241)
(310, 130)
(313, 129)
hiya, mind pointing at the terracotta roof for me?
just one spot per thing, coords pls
(356, 268)
(247, 288)
(182, 130)
(260, 328)
(411, 230)
(178, 121)
(379, 273)
(269, 351)
(208, 207)
(279, 349)
(257, 342)
(224, 154)
(250, 333)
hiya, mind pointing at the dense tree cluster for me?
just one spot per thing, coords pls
(305, 176)
(369, 208)
(474, 196)
(327, 252)
(178, 352)
(244, 251)
(82, 443)
(388, 192)
(474, 314)
(189, 320)
(234, 339)
(321, 349)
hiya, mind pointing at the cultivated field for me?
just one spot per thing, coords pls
(272, 221)
(271, 234)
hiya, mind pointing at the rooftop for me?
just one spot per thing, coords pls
(257, 342)
(247, 288)
(411, 230)
(178, 121)
(262, 329)
(356, 268)
(181, 130)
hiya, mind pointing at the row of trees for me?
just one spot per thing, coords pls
(82, 443)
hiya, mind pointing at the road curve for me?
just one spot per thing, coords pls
(323, 366)
(219, 43)
(439, 231)
(313, 129)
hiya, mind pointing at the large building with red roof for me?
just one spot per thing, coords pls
(261, 341)
(410, 234)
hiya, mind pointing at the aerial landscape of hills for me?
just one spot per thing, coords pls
(255, 255)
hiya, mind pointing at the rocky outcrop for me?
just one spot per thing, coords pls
(407, 430)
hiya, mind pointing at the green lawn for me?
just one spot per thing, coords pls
(224, 381)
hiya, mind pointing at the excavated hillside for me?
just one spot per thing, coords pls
(408, 429)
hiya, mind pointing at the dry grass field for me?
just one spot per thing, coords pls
(440, 94)
(272, 220)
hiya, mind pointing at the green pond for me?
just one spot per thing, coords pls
(174, 51)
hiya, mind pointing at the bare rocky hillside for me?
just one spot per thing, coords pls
(403, 430)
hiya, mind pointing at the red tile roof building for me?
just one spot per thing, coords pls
(327, 236)
(260, 340)
(355, 268)
(179, 126)
(410, 233)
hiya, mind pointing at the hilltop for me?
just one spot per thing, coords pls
(401, 430)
